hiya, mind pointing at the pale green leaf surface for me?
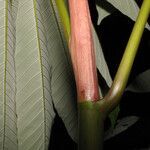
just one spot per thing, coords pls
(127, 7)
(33, 75)
(14, 5)
(62, 81)
(8, 128)
(44, 75)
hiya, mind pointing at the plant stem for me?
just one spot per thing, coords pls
(64, 17)
(113, 97)
(91, 127)
(91, 113)
(81, 47)
(82, 51)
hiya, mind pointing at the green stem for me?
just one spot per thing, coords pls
(63, 13)
(90, 126)
(121, 78)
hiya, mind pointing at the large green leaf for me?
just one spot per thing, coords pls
(33, 77)
(62, 84)
(8, 128)
(43, 75)
(127, 7)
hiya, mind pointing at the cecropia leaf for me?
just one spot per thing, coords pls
(33, 78)
(127, 7)
(62, 81)
(8, 119)
(43, 75)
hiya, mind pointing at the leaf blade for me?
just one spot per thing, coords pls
(8, 128)
(34, 103)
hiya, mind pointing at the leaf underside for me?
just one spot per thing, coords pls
(35, 75)
(8, 128)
